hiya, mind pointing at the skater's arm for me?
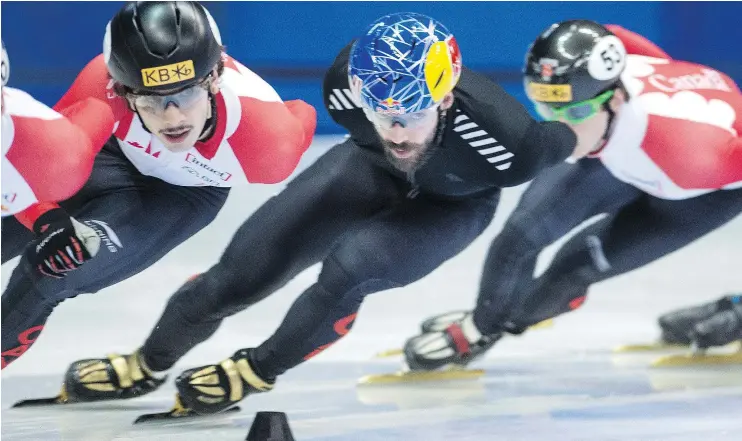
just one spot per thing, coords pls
(94, 82)
(529, 145)
(272, 137)
(66, 146)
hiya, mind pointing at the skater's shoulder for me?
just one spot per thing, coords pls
(243, 82)
(487, 104)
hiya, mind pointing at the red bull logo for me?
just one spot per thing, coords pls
(391, 103)
(390, 106)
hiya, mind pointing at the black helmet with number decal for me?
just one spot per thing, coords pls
(160, 46)
(573, 61)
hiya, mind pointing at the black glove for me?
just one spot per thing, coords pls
(62, 244)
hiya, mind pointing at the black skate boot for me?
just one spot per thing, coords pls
(722, 328)
(113, 378)
(457, 344)
(679, 327)
(440, 322)
(214, 388)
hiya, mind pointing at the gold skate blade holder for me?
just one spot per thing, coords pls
(649, 347)
(389, 353)
(449, 374)
(702, 358)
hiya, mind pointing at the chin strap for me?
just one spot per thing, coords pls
(607, 133)
(211, 122)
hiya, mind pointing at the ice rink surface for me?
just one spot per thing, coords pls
(559, 383)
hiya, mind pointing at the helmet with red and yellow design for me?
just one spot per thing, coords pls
(404, 63)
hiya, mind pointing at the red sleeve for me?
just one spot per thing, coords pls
(56, 156)
(731, 158)
(272, 137)
(94, 82)
(28, 216)
(636, 44)
(731, 171)
(95, 118)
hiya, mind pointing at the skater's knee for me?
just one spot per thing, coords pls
(204, 295)
(355, 263)
(522, 233)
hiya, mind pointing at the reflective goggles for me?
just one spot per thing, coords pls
(577, 112)
(406, 120)
(183, 99)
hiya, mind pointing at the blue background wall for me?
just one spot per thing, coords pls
(292, 43)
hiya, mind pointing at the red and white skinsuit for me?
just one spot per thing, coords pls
(47, 156)
(677, 137)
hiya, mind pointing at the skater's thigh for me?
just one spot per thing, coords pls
(649, 229)
(564, 196)
(413, 239)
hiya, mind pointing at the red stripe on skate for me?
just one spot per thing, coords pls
(462, 344)
(576, 303)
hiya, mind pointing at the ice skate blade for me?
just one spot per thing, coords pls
(649, 347)
(62, 398)
(422, 376)
(698, 360)
(178, 412)
(39, 402)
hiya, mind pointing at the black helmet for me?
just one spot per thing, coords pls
(573, 61)
(158, 46)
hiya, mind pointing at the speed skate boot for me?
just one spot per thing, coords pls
(722, 328)
(440, 322)
(214, 388)
(458, 343)
(112, 378)
(704, 324)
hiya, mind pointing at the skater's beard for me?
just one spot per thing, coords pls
(410, 156)
(407, 164)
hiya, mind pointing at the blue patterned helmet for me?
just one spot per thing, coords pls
(404, 63)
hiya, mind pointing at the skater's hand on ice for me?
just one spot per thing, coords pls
(62, 244)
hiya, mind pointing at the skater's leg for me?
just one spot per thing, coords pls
(290, 232)
(392, 250)
(139, 220)
(555, 203)
(15, 237)
(641, 233)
